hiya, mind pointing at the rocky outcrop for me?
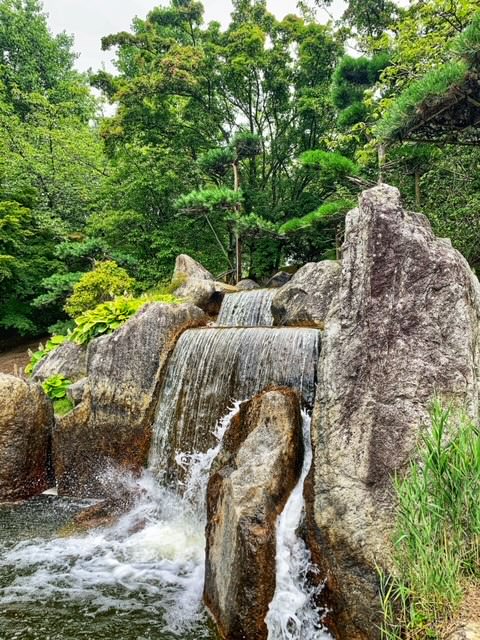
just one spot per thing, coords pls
(26, 419)
(112, 423)
(305, 300)
(69, 360)
(254, 473)
(404, 327)
(247, 285)
(278, 280)
(198, 286)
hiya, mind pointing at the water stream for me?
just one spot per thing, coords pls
(210, 368)
(247, 309)
(293, 614)
(142, 578)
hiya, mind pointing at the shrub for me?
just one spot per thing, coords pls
(437, 542)
(42, 352)
(106, 281)
(109, 316)
(56, 386)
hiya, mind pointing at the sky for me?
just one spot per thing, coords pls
(89, 20)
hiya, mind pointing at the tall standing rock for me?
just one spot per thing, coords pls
(404, 328)
(252, 477)
(26, 419)
(113, 422)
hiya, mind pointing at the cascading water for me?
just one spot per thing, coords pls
(211, 367)
(247, 309)
(292, 614)
(138, 580)
(143, 577)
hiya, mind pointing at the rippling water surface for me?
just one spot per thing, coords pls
(141, 579)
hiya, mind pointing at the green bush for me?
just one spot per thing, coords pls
(63, 406)
(109, 316)
(106, 281)
(437, 542)
(42, 352)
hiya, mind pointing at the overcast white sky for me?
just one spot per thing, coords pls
(89, 20)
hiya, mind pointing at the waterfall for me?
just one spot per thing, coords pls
(210, 368)
(292, 614)
(140, 578)
(247, 309)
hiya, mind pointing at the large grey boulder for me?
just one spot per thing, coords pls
(405, 327)
(251, 479)
(26, 419)
(247, 285)
(198, 286)
(112, 425)
(186, 267)
(278, 280)
(69, 360)
(305, 300)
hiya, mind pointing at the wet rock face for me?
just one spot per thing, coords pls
(69, 359)
(404, 326)
(26, 419)
(251, 479)
(305, 300)
(112, 423)
(198, 285)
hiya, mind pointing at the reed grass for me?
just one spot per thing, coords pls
(437, 539)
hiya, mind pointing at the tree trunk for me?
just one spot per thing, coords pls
(381, 162)
(238, 253)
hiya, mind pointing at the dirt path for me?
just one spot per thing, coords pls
(18, 357)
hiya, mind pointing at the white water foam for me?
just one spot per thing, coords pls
(152, 560)
(292, 613)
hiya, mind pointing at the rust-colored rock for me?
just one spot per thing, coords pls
(26, 419)
(112, 425)
(251, 479)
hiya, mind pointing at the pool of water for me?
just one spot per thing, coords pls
(140, 579)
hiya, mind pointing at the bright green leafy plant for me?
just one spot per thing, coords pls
(56, 388)
(42, 352)
(106, 281)
(109, 316)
